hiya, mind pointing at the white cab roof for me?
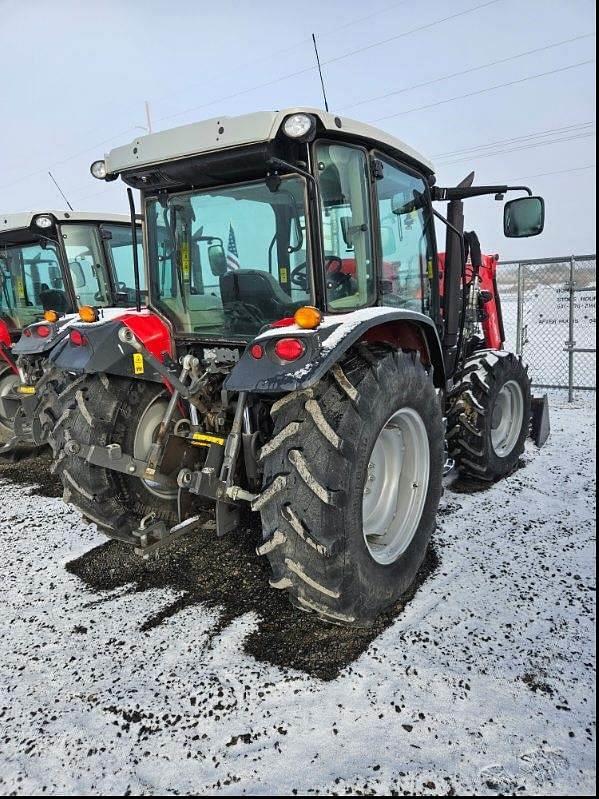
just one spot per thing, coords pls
(224, 132)
(25, 218)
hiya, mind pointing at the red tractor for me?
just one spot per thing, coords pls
(305, 354)
(52, 264)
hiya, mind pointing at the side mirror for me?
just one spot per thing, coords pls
(346, 232)
(77, 274)
(217, 259)
(523, 217)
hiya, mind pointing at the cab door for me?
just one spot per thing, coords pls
(406, 239)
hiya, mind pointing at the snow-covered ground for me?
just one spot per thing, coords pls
(112, 682)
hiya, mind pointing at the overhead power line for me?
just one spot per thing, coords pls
(261, 85)
(467, 71)
(519, 149)
(513, 139)
(558, 172)
(484, 91)
(330, 60)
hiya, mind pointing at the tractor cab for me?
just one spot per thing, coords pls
(51, 265)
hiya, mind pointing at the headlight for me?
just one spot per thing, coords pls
(44, 222)
(300, 127)
(98, 170)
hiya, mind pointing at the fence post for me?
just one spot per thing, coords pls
(520, 311)
(571, 343)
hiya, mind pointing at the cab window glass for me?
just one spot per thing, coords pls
(31, 281)
(346, 226)
(228, 260)
(405, 232)
(119, 243)
(86, 264)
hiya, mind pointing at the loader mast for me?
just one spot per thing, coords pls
(454, 269)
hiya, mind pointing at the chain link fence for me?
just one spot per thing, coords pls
(549, 309)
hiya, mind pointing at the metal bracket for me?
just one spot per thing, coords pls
(111, 457)
(149, 539)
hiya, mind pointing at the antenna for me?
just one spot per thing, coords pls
(324, 93)
(148, 117)
(64, 197)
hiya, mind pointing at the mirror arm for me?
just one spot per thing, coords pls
(457, 193)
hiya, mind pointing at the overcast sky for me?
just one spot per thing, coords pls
(75, 76)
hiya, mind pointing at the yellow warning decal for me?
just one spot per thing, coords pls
(185, 261)
(429, 268)
(20, 287)
(205, 440)
(22, 389)
(283, 274)
(138, 363)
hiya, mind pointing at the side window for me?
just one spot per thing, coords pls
(406, 239)
(346, 226)
(86, 264)
(120, 246)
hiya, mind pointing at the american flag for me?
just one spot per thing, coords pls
(232, 254)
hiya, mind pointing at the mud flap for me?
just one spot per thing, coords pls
(539, 418)
(227, 518)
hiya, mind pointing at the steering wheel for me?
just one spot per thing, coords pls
(299, 276)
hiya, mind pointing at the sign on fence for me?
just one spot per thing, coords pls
(549, 307)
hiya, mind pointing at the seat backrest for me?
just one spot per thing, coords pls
(54, 300)
(257, 288)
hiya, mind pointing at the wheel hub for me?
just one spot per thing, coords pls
(507, 418)
(145, 436)
(7, 384)
(396, 486)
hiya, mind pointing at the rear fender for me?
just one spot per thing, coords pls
(326, 345)
(105, 351)
(5, 337)
(32, 344)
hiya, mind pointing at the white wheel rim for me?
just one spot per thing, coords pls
(507, 418)
(145, 435)
(396, 486)
(8, 382)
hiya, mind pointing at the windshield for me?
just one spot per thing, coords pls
(31, 282)
(224, 262)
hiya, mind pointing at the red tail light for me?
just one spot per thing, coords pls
(257, 351)
(289, 349)
(286, 322)
(43, 331)
(77, 338)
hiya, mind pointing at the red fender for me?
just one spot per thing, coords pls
(152, 331)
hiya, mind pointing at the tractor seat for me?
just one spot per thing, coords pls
(256, 288)
(54, 300)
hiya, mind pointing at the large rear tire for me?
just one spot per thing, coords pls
(103, 409)
(35, 427)
(489, 415)
(351, 487)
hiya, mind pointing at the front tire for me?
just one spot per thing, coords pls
(337, 554)
(489, 415)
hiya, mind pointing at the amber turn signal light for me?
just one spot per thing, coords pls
(307, 317)
(87, 313)
(50, 316)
